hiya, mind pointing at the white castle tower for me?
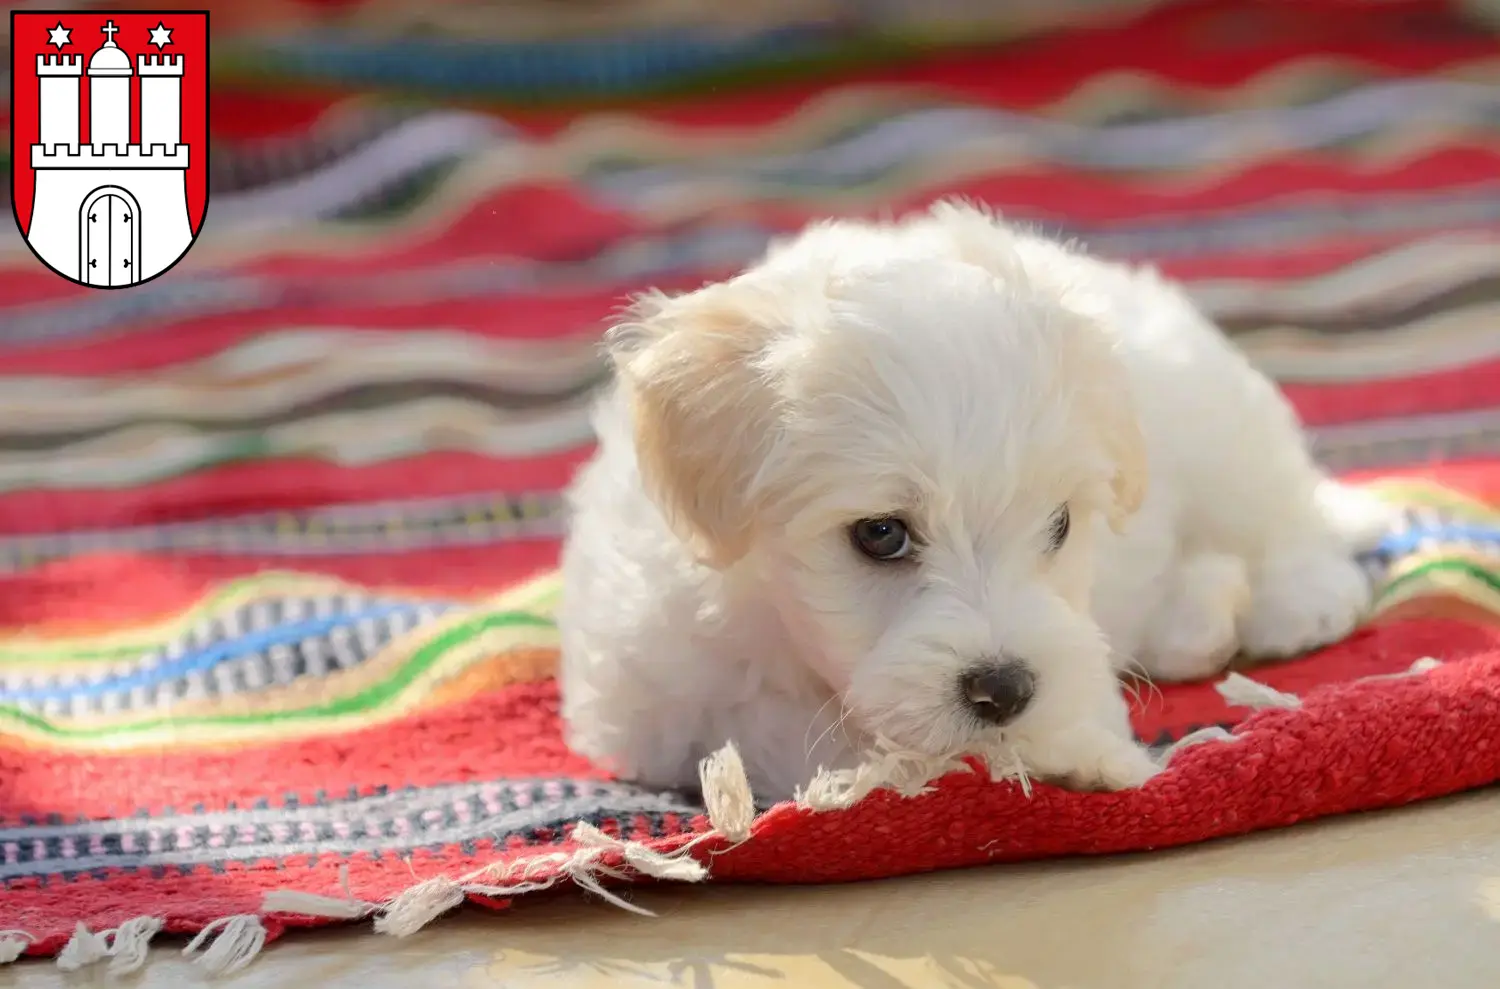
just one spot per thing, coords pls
(110, 213)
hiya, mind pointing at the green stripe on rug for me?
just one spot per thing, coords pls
(371, 698)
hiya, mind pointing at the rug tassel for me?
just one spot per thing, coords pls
(236, 942)
(13, 945)
(419, 906)
(727, 793)
(129, 945)
(83, 948)
(1241, 691)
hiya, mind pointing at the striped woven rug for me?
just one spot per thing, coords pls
(276, 531)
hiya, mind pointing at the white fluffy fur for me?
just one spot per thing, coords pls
(971, 377)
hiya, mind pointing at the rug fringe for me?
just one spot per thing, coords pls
(731, 812)
(13, 945)
(419, 906)
(414, 909)
(726, 793)
(125, 946)
(83, 948)
(130, 943)
(237, 941)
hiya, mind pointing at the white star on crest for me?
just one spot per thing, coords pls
(161, 36)
(59, 35)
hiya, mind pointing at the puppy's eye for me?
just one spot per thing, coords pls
(1057, 529)
(881, 539)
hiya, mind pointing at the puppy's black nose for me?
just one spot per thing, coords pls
(998, 692)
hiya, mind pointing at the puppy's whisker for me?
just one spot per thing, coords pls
(821, 735)
(1152, 687)
(842, 723)
(816, 715)
(836, 725)
(1138, 676)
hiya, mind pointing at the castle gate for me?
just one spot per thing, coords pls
(109, 237)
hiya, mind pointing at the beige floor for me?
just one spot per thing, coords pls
(1406, 899)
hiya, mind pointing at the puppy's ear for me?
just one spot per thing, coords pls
(703, 411)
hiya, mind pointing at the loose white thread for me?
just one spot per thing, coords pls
(658, 865)
(83, 948)
(1212, 733)
(314, 905)
(13, 945)
(236, 942)
(585, 870)
(349, 907)
(1241, 691)
(129, 944)
(908, 773)
(1424, 665)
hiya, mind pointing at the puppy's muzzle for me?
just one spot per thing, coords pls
(999, 690)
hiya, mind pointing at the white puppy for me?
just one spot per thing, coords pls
(892, 481)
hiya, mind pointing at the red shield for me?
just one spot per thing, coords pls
(109, 140)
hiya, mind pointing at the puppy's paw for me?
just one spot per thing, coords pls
(1302, 600)
(1194, 632)
(1356, 517)
(1087, 757)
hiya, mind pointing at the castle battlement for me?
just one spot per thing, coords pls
(109, 156)
(59, 65)
(158, 65)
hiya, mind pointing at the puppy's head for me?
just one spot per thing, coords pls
(904, 453)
